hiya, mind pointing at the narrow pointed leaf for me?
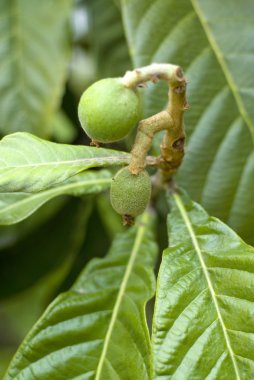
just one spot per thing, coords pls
(216, 53)
(97, 330)
(17, 206)
(203, 325)
(34, 52)
(30, 164)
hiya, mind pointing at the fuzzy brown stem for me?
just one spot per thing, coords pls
(153, 72)
(146, 131)
(171, 120)
(172, 146)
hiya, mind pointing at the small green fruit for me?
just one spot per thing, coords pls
(108, 110)
(130, 193)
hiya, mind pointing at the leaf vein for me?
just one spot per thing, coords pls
(207, 277)
(220, 57)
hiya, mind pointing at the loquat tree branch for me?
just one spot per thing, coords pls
(170, 120)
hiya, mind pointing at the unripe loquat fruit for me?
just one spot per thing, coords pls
(129, 193)
(108, 110)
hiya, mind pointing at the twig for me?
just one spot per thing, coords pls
(170, 120)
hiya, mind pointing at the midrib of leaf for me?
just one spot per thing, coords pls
(198, 250)
(129, 267)
(66, 188)
(121, 159)
(220, 57)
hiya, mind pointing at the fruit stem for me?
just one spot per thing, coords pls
(173, 143)
(154, 73)
(170, 120)
(146, 131)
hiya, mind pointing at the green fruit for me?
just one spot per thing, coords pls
(108, 110)
(130, 193)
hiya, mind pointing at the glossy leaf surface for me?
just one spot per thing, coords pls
(97, 330)
(34, 52)
(17, 206)
(30, 164)
(213, 44)
(203, 325)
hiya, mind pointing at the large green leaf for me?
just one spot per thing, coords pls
(46, 260)
(203, 325)
(34, 51)
(97, 330)
(17, 206)
(30, 164)
(213, 44)
(107, 38)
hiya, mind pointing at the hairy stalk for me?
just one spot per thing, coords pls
(153, 72)
(146, 130)
(172, 146)
(170, 120)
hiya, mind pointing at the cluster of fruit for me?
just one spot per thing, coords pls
(108, 110)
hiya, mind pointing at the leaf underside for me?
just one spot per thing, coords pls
(30, 164)
(97, 330)
(216, 53)
(17, 206)
(203, 325)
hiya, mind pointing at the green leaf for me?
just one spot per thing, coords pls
(46, 260)
(217, 54)
(34, 52)
(15, 207)
(30, 164)
(108, 41)
(111, 220)
(44, 249)
(203, 324)
(5, 357)
(97, 330)
(10, 235)
(63, 130)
